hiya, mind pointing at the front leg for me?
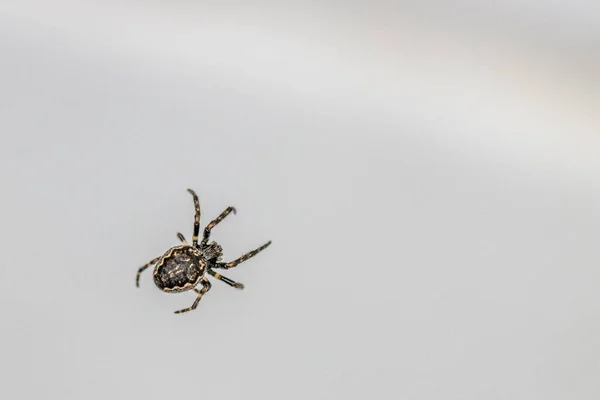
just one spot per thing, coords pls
(214, 222)
(243, 258)
(196, 217)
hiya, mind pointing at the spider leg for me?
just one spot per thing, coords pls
(142, 269)
(214, 222)
(205, 288)
(225, 279)
(182, 238)
(243, 258)
(196, 217)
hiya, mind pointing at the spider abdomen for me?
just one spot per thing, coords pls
(181, 268)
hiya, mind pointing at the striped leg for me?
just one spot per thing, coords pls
(182, 238)
(205, 288)
(137, 277)
(214, 222)
(243, 258)
(196, 217)
(225, 279)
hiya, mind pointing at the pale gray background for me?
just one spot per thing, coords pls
(429, 176)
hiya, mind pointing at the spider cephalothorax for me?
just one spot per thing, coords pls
(213, 252)
(184, 267)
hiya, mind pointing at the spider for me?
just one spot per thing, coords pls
(184, 267)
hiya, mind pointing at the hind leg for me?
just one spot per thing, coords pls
(142, 269)
(205, 288)
(226, 280)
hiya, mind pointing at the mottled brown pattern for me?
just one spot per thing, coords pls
(180, 269)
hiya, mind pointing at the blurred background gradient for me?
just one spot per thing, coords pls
(428, 172)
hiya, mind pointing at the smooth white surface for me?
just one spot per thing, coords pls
(428, 176)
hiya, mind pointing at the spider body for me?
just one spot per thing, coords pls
(180, 269)
(184, 267)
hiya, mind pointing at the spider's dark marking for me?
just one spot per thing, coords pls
(184, 267)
